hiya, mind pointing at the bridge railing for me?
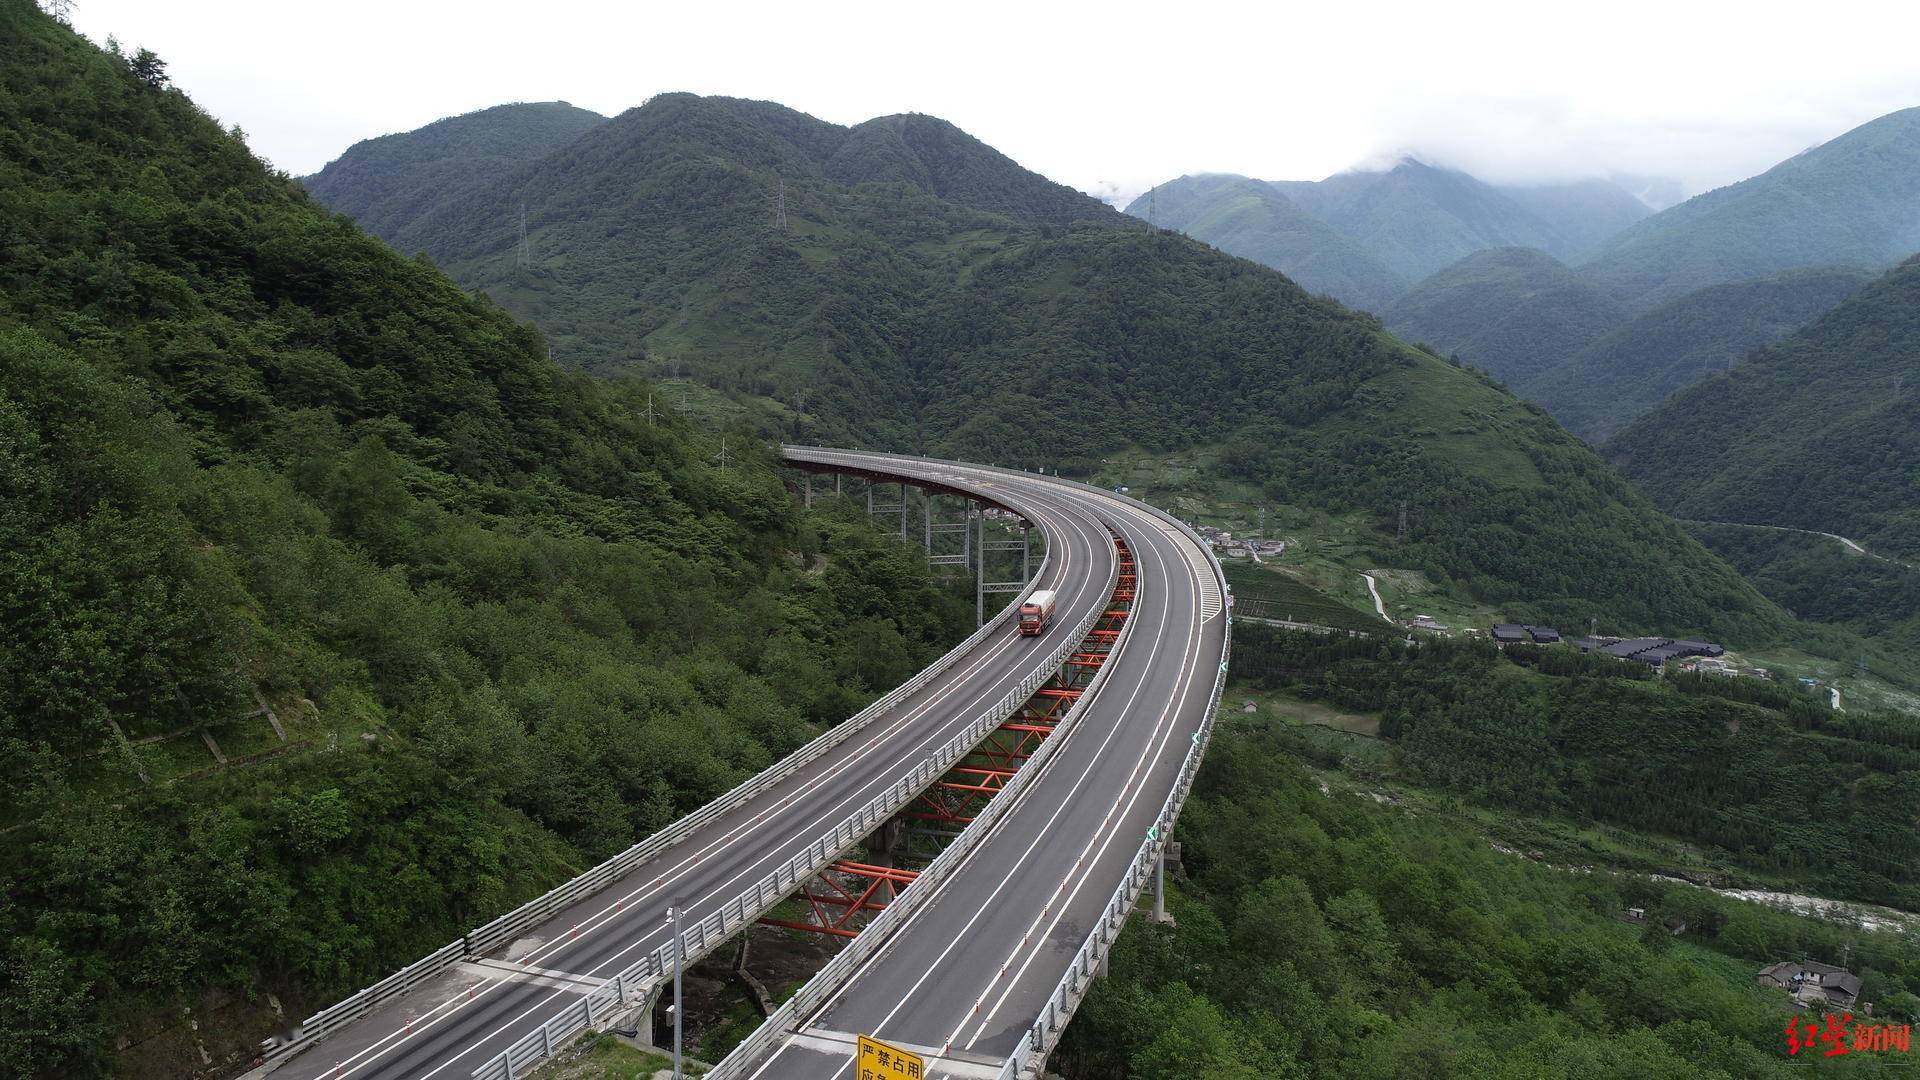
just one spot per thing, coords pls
(876, 933)
(702, 937)
(487, 938)
(1039, 1040)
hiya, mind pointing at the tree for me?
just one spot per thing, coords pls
(149, 69)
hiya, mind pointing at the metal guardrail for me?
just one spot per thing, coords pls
(491, 936)
(1038, 1041)
(876, 934)
(634, 983)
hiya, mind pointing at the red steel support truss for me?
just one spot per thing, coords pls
(957, 798)
(826, 891)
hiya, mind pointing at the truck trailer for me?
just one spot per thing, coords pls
(1036, 611)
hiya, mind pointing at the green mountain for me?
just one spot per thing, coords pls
(1514, 312)
(385, 183)
(1820, 431)
(1853, 201)
(1364, 237)
(883, 315)
(1599, 389)
(1419, 219)
(1583, 213)
(334, 619)
(941, 160)
(1252, 220)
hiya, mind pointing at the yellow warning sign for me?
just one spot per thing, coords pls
(878, 1061)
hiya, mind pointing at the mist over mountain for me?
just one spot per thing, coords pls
(1255, 221)
(1599, 389)
(1385, 230)
(1852, 201)
(810, 272)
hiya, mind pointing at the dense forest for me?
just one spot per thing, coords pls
(1768, 774)
(336, 618)
(1319, 934)
(1598, 390)
(812, 272)
(1511, 312)
(1815, 578)
(384, 183)
(1815, 432)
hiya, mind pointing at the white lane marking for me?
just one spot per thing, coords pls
(1136, 781)
(1067, 516)
(1037, 834)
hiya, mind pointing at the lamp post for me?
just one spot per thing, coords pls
(673, 927)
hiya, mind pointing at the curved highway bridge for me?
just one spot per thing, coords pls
(978, 964)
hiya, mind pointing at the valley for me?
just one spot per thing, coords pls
(434, 611)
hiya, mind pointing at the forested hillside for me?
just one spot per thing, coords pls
(1598, 390)
(1720, 762)
(386, 182)
(1512, 312)
(1254, 221)
(1320, 933)
(878, 314)
(1820, 431)
(251, 459)
(1852, 201)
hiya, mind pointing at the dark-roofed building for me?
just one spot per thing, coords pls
(1812, 983)
(1509, 633)
(1545, 635)
(1653, 651)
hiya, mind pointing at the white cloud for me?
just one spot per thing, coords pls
(1112, 100)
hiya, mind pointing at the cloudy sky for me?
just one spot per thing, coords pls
(1109, 98)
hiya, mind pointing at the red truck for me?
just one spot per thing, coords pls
(1036, 611)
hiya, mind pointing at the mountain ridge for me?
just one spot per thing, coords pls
(878, 314)
(1816, 431)
(1853, 200)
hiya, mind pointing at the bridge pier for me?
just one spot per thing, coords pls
(981, 585)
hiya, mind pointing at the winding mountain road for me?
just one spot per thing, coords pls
(984, 947)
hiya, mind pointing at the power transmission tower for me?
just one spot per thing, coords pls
(780, 204)
(524, 259)
(61, 10)
(1403, 522)
(649, 413)
(722, 455)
